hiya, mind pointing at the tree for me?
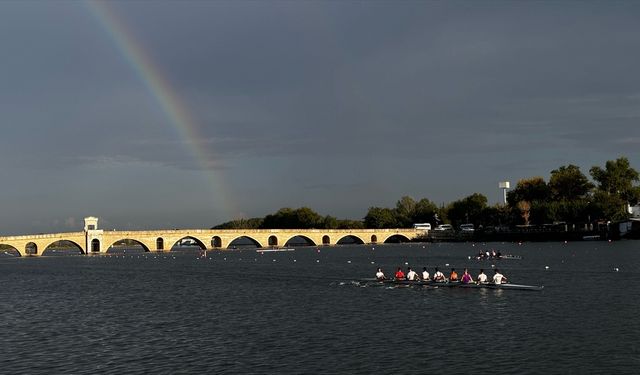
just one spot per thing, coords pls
(286, 218)
(525, 209)
(425, 212)
(329, 222)
(567, 183)
(405, 209)
(530, 190)
(378, 217)
(617, 180)
(350, 224)
(467, 210)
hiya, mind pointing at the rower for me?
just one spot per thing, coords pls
(380, 275)
(399, 274)
(438, 276)
(499, 278)
(411, 275)
(425, 274)
(482, 277)
(453, 276)
(466, 277)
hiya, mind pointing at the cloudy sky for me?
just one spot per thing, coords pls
(178, 114)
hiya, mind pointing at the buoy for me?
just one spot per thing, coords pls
(317, 260)
(546, 267)
(349, 261)
(373, 262)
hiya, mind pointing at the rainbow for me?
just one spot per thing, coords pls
(159, 88)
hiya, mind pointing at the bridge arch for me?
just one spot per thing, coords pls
(192, 240)
(8, 250)
(159, 243)
(273, 241)
(350, 239)
(243, 241)
(127, 244)
(95, 246)
(326, 240)
(395, 238)
(307, 241)
(65, 246)
(31, 249)
(216, 242)
(374, 238)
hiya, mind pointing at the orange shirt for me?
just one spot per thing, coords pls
(453, 276)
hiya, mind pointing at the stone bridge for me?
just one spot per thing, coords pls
(92, 240)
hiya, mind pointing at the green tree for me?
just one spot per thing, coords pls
(467, 210)
(350, 224)
(405, 208)
(424, 212)
(378, 217)
(567, 183)
(287, 218)
(329, 222)
(617, 180)
(530, 190)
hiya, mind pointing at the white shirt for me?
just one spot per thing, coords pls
(425, 275)
(438, 276)
(411, 275)
(482, 278)
(379, 275)
(497, 278)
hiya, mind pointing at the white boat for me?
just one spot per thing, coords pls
(274, 250)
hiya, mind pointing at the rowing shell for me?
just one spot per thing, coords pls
(455, 284)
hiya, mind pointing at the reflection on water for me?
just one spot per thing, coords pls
(302, 312)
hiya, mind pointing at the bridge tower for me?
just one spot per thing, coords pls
(93, 235)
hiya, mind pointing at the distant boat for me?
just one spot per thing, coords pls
(591, 238)
(274, 250)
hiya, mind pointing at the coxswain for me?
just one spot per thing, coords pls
(453, 276)
(425, 274)
(438, 276)
(399, 274)
(380, 275)
(499, 278)
(482, 277)
(466, 277)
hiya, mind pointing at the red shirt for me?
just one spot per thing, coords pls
(399, 274)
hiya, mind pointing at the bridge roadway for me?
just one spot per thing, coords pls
(99, 241)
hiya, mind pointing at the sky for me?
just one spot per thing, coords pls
(187, 114)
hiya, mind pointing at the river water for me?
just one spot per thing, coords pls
(300, 312)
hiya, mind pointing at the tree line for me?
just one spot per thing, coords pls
(568, 197)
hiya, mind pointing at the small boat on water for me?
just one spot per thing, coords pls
(275, 250)
(452, 284)
(496, 257)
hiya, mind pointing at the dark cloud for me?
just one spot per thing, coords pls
(353, 104)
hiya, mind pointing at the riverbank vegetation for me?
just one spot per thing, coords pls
(568, 198)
